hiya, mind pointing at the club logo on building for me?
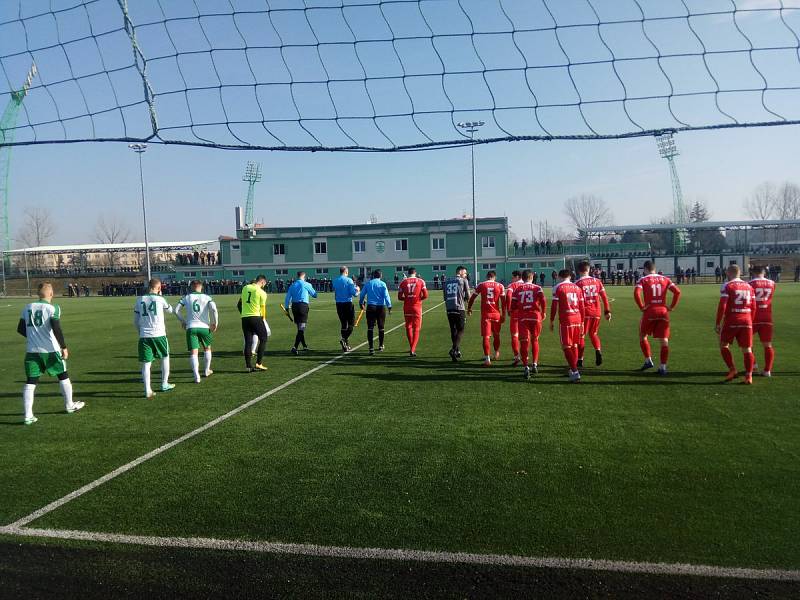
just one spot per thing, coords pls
(380, 246)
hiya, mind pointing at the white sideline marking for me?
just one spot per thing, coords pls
(161, 449)
(425, 556)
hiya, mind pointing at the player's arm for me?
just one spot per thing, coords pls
(55, 325)
(178, 310)
(471, 300)
(553, 311)
(136, 317)
(288, 298)
(401, 291)
(21, 328)
(606, 306)
(387, 298)
(311, 291)
(541, 300)
(214, 314)
(723, 304)
(423, 293)
(637, 297)
(362, 295)
(676, 295)
(501, 301)
(167, 306)
(239, 306)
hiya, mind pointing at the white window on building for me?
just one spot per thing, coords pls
(359, 246)
(320, 247)
(438, 243)
(401, 245)
(488, 241)
(321, 271)
(237, 273)
(440, 268)
(279, 249)
(488, 266)
(281, 271)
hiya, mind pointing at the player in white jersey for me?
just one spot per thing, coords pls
(149, 320)
(202, 320)
(46, 351)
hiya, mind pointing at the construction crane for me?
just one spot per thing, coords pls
(8, 124)
(668, 150)
(252, 175)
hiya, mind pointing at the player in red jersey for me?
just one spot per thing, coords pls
(528, 303)
(593, 293)
(764, 290)
(737, 306)
(650, 295)
(412, 292)
(493, 314)
(513, 319)
(569, 305)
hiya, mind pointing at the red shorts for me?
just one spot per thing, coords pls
(529, 329)
(513, 325)
(655, 324)
(743, 334)
(571, 334)
(591, 325)
(414, 319)
(490, 326)
(764, 331)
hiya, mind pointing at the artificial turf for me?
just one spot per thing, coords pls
(389, 451)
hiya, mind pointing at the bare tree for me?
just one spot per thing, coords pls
(111, 230)
(38, 227)
(787, 201)
(587, 210)
(761, 203)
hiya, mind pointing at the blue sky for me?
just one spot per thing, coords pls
(192, 191)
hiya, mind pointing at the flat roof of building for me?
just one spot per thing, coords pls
(612, 229)
(125, 247)
(378, 227)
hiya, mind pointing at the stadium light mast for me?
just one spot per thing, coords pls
(140, 149)
(471, 127)
(8, 124)
(668, 150)
(252, 175)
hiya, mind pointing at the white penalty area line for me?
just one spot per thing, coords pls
(421, 556)
(161, 449)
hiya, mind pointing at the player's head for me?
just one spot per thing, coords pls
(583, 267)
(564, 274)
(461, 271)
(516, 275)
(261, 280)
(527, 276)
(301, 275)
(757, 271)
(344, 270)
(649, 266)
(154, 285)
(197, 285)
(45, 290)
(491, 275)
(412, 272)
(733, 271)
(377, 274)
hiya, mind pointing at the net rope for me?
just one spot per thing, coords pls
(395, 75)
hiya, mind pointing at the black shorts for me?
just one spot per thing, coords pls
(300, 312)
(376, 314)
(347, 314)
(457, 320)
(254, 326)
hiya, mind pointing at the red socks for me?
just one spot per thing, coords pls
(769, 358)
(515, 345)
(595, 339)
(581, 348)
(536, 351)
(496, 341)
(571, 354)
(664, 354)
(728, 358)
(644, 344)
(749, 361)
(486, 346)
(525, 344)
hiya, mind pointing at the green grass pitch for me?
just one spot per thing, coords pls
(393, 452)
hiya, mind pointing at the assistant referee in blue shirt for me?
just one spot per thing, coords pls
(298, 295)
(376, 295)
(344, 290)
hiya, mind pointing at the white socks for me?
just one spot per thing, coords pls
(254, 349)
(165, 371)
(148, 391)
(27, 399)
(194, 361)
(66, 391)
(208, 361)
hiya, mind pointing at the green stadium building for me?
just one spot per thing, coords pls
(434, 248)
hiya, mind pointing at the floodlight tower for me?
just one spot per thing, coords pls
(252, 175)
(668, 150)
(471, 128)
(8, 124)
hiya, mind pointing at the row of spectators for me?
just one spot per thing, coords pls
(201, 258)
(538, 248)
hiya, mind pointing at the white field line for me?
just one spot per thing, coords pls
(161, 449)
(587, 564)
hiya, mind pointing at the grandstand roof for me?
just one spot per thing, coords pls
(126, 247)
(613, 229)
